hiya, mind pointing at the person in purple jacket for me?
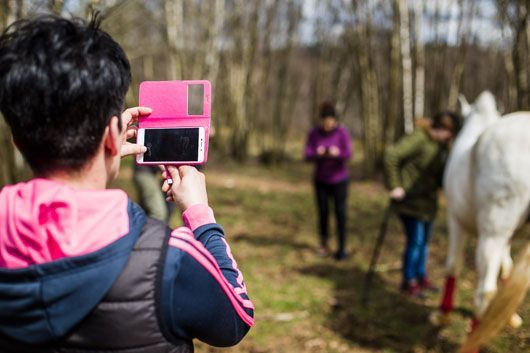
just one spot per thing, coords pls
(329, 147)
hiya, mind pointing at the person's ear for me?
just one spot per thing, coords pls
(112, 136)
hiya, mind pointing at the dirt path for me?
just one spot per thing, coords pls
(228, 180)
(218, 177)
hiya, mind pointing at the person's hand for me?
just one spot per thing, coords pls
(128, 119)
(188, 188)
(334, 151)
(321, 150)
(397, 194)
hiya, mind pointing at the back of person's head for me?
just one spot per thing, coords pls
(61, 81)
(447, 120)
(327, 110)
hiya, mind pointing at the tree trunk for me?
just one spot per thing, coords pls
(508, 54)
(369, 85)
(212, 63)
(438, 68)
(174, 23)
(369, 102)
(280, 120)
(463, 34)
(242, 78)
(214, 46)
(12, 166)
(518, 62)
(265, 79)
(526, 44)
(511, 82)
(394, 107)
(419, 91)
(406, 62)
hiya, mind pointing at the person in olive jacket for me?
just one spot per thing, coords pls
(414, 169)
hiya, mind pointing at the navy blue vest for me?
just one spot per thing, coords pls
(128, 319)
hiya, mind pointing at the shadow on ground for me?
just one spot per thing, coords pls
(390, 321)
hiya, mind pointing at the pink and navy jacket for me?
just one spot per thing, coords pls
(61, 251)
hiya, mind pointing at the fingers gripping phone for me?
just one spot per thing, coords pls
(177, 130)
(167, 146)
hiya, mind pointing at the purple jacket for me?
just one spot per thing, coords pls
(329, 169)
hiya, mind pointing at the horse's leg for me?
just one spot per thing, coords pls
(507, 264)
(497, 222)
(489, 257)
(506, 301)
(454, 264)
(506, 269)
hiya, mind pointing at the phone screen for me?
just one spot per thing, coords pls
(171, 145)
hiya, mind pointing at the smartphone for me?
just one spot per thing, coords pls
(172, 145)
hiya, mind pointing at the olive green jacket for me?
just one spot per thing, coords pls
(416, 163)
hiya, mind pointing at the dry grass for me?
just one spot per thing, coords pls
(309, 304)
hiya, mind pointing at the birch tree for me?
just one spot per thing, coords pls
(241, 75)
(419, 80)
(265, 78)
(286, 89)
(369, 90)
(213, 52)
(404, 31)
(174, 17)
(467, 13)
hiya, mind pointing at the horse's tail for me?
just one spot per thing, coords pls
(503, 305)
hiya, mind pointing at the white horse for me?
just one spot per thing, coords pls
(487, 185)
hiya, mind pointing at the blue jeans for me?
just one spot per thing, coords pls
(417, 248)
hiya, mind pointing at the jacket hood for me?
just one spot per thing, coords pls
(60, 252)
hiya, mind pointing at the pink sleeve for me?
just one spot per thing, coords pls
(198, 215)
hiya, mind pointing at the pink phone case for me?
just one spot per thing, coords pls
(169, 101)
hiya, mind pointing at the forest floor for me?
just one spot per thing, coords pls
(305, 303)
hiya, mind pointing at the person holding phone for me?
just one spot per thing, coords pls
(329, 148)
(82, 267)
(414, 169)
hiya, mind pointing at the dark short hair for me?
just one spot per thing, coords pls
(438, 121)
(61, 81)
(327, 109)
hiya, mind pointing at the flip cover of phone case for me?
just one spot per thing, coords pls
(169, 102)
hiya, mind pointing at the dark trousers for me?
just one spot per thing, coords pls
(417, 249)
(339, 193)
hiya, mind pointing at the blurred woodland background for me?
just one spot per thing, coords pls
(271, 62)
(384, 63)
